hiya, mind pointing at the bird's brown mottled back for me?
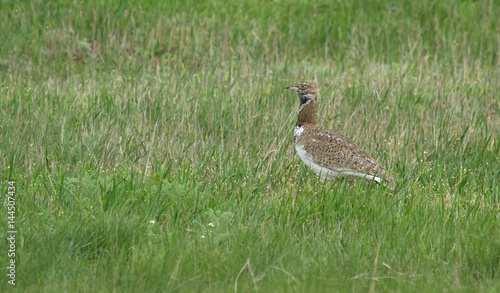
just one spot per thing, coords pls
(336, 151)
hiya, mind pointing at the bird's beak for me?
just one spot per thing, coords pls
(291, 87)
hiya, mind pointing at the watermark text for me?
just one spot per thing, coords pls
(11, 231)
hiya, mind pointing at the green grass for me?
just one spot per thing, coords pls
(119, 113)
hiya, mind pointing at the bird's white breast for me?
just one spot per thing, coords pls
(297, 132)
(308, 160)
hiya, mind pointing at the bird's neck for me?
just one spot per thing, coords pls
(307, 113)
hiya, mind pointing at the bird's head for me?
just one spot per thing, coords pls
(305, 90)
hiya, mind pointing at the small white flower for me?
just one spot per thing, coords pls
(202, 236)
(152, 222)
(211, 224)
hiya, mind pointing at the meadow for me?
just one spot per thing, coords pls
(151, 145)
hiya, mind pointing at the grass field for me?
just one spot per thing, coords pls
(151, 145)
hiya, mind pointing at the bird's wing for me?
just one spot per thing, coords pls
(336, 151)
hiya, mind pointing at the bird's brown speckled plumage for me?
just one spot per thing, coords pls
(327, 151)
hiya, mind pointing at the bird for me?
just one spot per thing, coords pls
(329, 153)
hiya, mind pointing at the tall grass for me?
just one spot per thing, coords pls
(151, 144)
